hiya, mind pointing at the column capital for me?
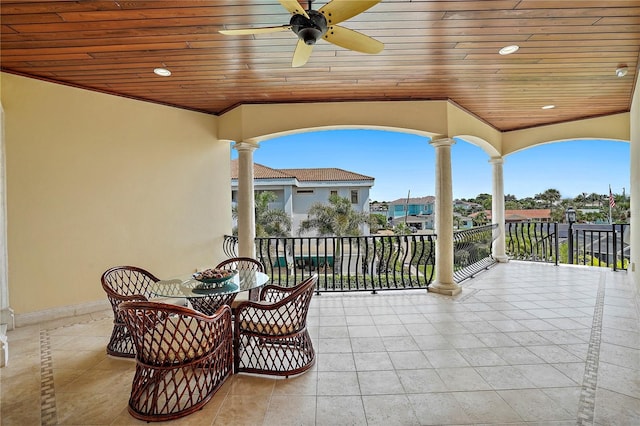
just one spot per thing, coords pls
(246, 146)
(442, 142)
(496, 160)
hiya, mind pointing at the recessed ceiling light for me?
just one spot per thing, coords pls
(163, 72)
(622, 71)
(548, 107)
(508, 50)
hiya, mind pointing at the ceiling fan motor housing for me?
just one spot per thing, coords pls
(309, 29)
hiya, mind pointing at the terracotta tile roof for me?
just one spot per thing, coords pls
(328, 174)
(303, 175)
(260, 172)
(526, 214)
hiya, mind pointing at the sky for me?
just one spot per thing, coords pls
(404, 164)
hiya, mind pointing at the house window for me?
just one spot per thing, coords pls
(304, 191)
(333, 192)
(354, 197)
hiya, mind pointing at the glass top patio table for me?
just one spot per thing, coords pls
(187, 286)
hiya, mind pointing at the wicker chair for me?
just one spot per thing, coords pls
(210, 304)
(270, 336)
(124, 283)
(183, 357)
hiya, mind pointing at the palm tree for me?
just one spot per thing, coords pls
(550, 196)
(334, 219)
(480, 219)
(269, 222)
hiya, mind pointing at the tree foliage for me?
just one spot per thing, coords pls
(334, 219)
(269, 222)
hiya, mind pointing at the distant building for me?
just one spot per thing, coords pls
(298, 189)
(467, 205)
(417, 213)
(462, 222)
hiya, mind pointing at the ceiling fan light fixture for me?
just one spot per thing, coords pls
(508, 50)
(162, 72)
(621, 71)
(309, 35)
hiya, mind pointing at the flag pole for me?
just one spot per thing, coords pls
(611, 203)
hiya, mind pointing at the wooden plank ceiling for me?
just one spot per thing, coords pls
(569, 51)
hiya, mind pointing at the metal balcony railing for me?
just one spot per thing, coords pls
(367, 263)
(577, 243)
(532, 241)
(472, 251)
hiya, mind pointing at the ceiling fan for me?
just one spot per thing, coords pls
(311, 25)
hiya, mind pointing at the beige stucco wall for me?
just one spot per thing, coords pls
(260, 122)
(614, 127)
(95, 180)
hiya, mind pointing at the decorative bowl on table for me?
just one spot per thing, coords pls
(213, 278)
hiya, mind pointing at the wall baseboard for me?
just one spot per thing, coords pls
(74, 312)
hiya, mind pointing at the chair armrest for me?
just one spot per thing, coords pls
(274, 293)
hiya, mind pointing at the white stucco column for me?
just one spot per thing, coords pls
(246, 200)
(444, 283)
(497, 210)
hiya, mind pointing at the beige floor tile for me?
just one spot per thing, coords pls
(389, 410)
(291, 411)
(367, 344)
(339, 345)
(335, 362)
(616, 409)
(243, 410)
(248, 384)
(340, 411)
(438, 409)
(79, 408)
(567, 398)
(379, 383)
(421, 381)
(420, 359)
(302, 384)
(477, 357)
(534, 405)
(462, 379)
(372, 361)
(338, 383)
(544, 376)
(504, 377)
(623, 380)
(486, 407)
(409, 360)
(445, 358)
(399, 343)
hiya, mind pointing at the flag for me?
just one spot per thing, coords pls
(612, 201)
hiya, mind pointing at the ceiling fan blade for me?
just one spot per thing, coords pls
(301, 54)
(294, 7)
(261, 30)
(352, 40)
(337, 11)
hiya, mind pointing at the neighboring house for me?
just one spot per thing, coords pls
(466, 205)
(417, 213)
(462, 222)
(298, 189)
(527, 215)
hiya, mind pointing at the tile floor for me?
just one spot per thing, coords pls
(522, 344)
